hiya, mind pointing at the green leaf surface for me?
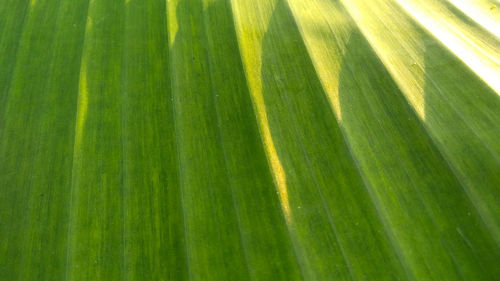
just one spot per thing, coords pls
(249, 140)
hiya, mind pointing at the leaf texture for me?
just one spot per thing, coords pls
(249, 140)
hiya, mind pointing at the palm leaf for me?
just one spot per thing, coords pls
(238, 140)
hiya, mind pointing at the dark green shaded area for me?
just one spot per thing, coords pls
(264, 234)
(153, 220)
(421, 198)
(334, 219)
(13, 15)
(213, 235)
(463, 114)
(37, 133)
(95, 250)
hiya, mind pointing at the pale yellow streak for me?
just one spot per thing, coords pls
(172, 24)
(83, 100)
(473, 50)
(251, 32)
(32, 3)
(83, 93)
(272, 155)
(325, 28)
(484, 12)
(397, 44)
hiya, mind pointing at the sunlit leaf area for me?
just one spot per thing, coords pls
(214, 140)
